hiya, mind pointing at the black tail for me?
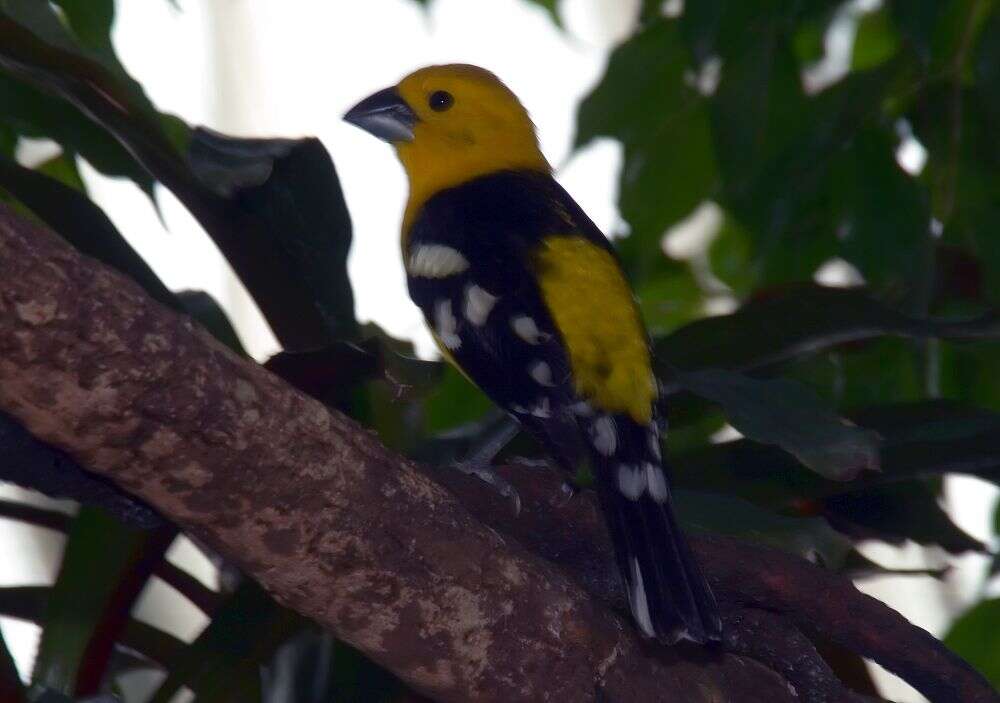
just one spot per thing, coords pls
(668, 594)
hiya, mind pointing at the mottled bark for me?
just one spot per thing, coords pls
(366, 543)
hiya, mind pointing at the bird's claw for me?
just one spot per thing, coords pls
(567, 491)
(488, 475)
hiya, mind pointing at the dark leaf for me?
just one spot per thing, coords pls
(11, 687)
(809, 537)
(33, 464)
(30, 603)
(291, 188)
(986, 63)
(975, 636)
(896, 512)
(74, 217)
(313, 667)
(937, 31)
(995, 565)
(8, 141)
(878, 208)
(252, 234)
(223, 663)
(204, 308)
(782, 412)
(800, 320)
(858, 566)
(919, 440)
(105, 566)
(91, 22)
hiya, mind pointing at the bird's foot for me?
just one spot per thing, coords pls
(487, 474)
(567, 491)
(530, 462)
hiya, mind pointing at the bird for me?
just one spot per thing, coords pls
(526, 297)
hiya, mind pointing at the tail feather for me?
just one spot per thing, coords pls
(668, 595)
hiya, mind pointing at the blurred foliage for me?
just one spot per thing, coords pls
(854, 403)
(976, 637)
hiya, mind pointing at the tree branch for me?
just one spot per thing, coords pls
(365, 543)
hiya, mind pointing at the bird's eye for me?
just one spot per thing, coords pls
(440, 100)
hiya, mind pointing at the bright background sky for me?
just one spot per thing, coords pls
(291, 68)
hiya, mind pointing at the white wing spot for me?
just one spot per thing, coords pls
(446, 325)
(637, 599)
(543, 409)
(654, 444)
(478, 304)
(582, 408)
(436, 261)
(631, 481)
(604, 435)
(541, 372)
(656, 482)
(526, 328)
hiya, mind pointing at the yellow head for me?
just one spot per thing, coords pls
(450, 124)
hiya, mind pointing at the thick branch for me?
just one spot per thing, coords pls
(334, 525)
(362, 541)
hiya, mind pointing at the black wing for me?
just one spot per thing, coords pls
(468, 255)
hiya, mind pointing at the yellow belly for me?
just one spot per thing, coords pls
(592, 306)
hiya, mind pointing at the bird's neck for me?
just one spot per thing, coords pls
(429, 173)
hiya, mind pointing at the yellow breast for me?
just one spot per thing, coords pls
(592, 306)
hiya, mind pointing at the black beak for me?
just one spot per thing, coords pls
(384, 115)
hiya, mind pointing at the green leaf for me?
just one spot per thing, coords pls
(667, 291)
(812, 538)
(11, 687)
(975, 637)
(30, 113)
(8, 141)
(455, 402)
(877, 40)
(986, 63)
(91, 22)
(63, 168)
(799, 321)
(75, 39)
(642, 84)
(644, 101)
(938, 31)
(877, 207)
(223, 663)
(808, 42)
(105, 566)
(787, 414)
(654, 192)
(759, 113)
